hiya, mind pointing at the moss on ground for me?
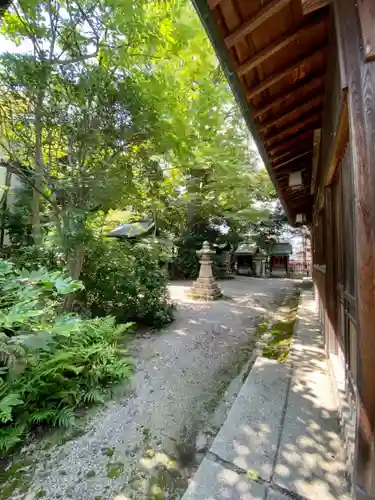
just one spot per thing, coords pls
(15, 479)
(282, 332)
(261, 328)
(115, 469)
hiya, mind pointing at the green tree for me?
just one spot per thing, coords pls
(74, 123)
(122, 105)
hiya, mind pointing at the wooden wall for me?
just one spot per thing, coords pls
(322, 218)
(350, 113)
(361, 109)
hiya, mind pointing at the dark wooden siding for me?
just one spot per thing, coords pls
(353, 223)
(332, 105)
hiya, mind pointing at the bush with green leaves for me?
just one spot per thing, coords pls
(50, 363)
(34, 257)
(127, 281)
(185, 264)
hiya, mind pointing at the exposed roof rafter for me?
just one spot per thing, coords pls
(274, 54)
(288, 154)
(309, 118)
(314, 103)
(270, 9)
(278, 45)
(297, 157)
(271, 80)
(312, 5)
(296, 139)
(307, 85)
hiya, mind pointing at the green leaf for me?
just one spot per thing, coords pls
(7, 403)
(45, 415)
(64, 418)
(253, 475)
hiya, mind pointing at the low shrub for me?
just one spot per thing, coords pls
(33, 257)
(50, 363)
(127, 281)
(185, 264)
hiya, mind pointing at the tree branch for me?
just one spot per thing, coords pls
(14, 168)
(53, 25)
(85, 57)
(30, 33)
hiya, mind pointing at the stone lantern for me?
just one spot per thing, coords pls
(205, 287)
(259, 259)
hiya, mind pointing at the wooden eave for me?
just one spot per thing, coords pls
(274, 53)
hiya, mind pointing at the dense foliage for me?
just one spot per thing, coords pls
(275, 228)
(106, 106)
(185, 263)
(50, 363)
(118, 105)
(128, 282)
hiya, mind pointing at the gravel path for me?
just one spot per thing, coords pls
(146, 445)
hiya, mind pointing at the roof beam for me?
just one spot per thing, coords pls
(276, 167)
(307, 85)
(286, 155)
(295, 194)
(317, 101)
(269, 10)
(307, 118)
(296, 200)
(312, 5)
(293, 167)
(309, 124)
(296, 139)
(280, 44)
(271, 80)
(213, 3)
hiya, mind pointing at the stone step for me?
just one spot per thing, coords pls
(249, 437)
(248, 441)
(311, 459)
(215, 482)
(281, 438)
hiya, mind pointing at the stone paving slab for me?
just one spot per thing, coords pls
(283, 426)
(311, 460)
(214, 482)
(250, 435)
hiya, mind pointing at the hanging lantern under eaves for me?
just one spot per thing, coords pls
(295, 180)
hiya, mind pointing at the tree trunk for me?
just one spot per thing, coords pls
(75, 263)
(36, 231)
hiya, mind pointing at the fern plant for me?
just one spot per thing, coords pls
(50, 363)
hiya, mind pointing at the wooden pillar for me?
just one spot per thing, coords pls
(361, 101)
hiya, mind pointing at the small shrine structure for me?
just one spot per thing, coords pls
(244, 258)
(279, 256)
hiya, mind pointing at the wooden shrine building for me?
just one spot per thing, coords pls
(279, 255)
(303, 73)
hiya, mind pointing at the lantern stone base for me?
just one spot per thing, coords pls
(205, 289)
